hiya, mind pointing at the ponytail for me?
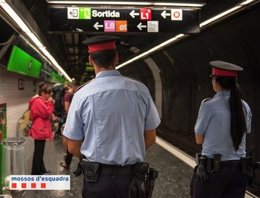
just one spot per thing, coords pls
(238, 125)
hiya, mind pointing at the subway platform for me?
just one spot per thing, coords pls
(173, 180)
(175, 170)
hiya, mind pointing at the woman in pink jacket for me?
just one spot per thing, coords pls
(41, 109)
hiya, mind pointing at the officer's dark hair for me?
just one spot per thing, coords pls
(44, 88)
(238, 124)
(104, 58)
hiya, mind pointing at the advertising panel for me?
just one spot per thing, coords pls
(23, 63)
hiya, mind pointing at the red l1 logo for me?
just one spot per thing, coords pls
(146, 14)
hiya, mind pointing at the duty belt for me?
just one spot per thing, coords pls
(215, 165)
(142, 176)
(92, 170)
(114, 169)
(230, 163)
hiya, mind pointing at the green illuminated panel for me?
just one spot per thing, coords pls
(89, 69)
(57, 78)
(23, 63)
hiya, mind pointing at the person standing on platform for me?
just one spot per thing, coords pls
(41, 109)
(112, 121)
(221, 127)
(67, 101)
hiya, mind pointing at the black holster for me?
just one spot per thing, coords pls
(143, 181)
(247, 169)
(91, 170)
(210, 164)
(206, 166)
(78, 171)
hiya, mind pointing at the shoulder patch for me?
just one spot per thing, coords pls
(206, 100)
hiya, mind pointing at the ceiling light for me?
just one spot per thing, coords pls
(34, 39)
(225, 13)
(246, 2)
(125, 3)
(54, 62)
(213, 19)
(14, 16)
(180, 4)
(9, 10)
(180, 36)
(168, 42)
(43, 50)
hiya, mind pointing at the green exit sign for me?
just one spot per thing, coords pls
(84, 13)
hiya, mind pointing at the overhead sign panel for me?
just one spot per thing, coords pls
(117, 20)
(23, 63)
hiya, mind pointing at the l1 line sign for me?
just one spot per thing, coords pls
(121, 20)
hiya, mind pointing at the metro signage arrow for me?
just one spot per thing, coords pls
(133, 14)
(123, 20)
(165, 14)
(97, 26)
(140, 26)
(74, 13)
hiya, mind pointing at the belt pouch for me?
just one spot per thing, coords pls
(197, 157)
(91, 170)
(141, 169)
(216, 162)
(245, 166)
(209, 165)
(138, 185)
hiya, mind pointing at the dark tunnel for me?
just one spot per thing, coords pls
(184, 72)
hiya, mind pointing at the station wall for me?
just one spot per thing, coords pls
(16, 99)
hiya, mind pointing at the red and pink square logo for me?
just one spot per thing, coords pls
(110, 26)
(146, 14)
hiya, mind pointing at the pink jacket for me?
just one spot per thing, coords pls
(40, 114)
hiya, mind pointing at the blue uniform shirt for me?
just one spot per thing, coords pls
(111, 113)
(214, 122)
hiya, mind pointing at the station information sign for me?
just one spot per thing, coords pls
(121, 20)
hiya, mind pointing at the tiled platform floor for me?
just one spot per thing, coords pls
(173, 180)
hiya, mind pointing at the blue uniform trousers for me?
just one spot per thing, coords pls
(107, 186)
(228, 182)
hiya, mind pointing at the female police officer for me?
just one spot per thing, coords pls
(221, 126)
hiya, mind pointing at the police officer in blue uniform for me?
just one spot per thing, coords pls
(112, 121)
(221, 127)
